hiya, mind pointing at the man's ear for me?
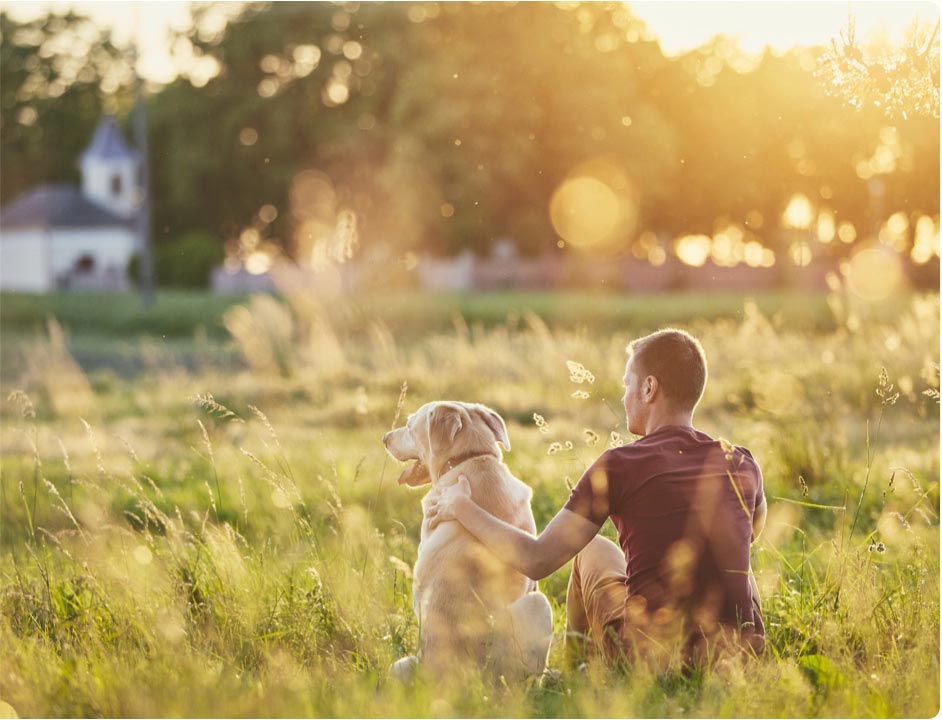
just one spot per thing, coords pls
(444, 423)
(496, 423)
(650, 388)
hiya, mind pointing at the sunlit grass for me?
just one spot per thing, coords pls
(228, 539)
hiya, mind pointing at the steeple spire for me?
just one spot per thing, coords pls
(110, 170)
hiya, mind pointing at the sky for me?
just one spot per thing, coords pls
(678, 26)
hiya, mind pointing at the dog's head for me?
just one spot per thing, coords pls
(439, 431)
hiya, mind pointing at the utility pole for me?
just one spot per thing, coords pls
(143, 213)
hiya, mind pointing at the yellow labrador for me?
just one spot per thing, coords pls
(471, 606)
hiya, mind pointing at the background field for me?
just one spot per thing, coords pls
(165, 553)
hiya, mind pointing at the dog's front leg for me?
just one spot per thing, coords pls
(403, 670)
(532, 629)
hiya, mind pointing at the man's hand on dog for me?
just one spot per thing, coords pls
(443, 509)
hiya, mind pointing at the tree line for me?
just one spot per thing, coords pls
(441, 127)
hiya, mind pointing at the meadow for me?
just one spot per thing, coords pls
(199, 519)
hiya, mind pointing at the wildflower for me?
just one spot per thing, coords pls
(21, 399)
(614, 439)
(924, 515)
(904, 523)
(580, 394)
(728, 448)
(568, 445)
(591, 437)
(578, 373)
(554, 448)
(885, 389)
(803, 485)
(881, 548)
(208, 403)
(540, 423)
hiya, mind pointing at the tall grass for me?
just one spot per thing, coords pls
(198, 541)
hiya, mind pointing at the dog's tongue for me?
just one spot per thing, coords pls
(414, 475)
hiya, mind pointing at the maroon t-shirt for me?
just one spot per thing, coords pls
(683, 505)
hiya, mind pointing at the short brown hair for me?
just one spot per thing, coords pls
(677, 360)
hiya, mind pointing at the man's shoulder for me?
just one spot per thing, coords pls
(745, 455)
(622, 456)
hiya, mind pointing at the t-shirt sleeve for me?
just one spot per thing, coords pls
(591, 497)
(760, 492)
(753, 463)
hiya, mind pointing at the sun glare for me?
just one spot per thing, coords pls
(594, 209)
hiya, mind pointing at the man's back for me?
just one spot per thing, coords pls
(683, 505)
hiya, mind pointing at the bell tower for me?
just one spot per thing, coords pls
(110, 170)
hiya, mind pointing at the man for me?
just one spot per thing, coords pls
(686, 508)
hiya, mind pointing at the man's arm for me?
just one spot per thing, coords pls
(536, 557)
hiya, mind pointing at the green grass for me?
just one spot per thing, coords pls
(181, 313)
(261, 568)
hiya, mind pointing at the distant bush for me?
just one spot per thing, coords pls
(184, 262)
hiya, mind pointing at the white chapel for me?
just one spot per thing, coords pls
(59, 237)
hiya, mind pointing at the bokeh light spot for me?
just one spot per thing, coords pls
(875, 273)
(258, 263)
(800, 252)
(846, 232)
(798, 214)
(594, 208)
(693, 250)
(143, 555)
(584, 211)
(826, 229)
(268, 213)
(352, 50)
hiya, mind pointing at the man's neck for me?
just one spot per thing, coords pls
(667, 419)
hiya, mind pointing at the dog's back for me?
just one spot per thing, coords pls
(461, 589)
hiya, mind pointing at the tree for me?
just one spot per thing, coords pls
(57, 75)
(902, 80)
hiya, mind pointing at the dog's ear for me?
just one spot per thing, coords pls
(496, 423)
(444, 423)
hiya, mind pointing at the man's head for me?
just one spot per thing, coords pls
(665, 375)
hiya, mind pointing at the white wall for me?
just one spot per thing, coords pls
(447, 273)
(96, 184)
(109, 246)
(24, 264)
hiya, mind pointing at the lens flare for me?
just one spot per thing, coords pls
(875, 273)
(584, 211)
(594, 209)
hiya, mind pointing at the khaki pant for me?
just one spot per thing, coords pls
(596, 606)
(595, 601)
